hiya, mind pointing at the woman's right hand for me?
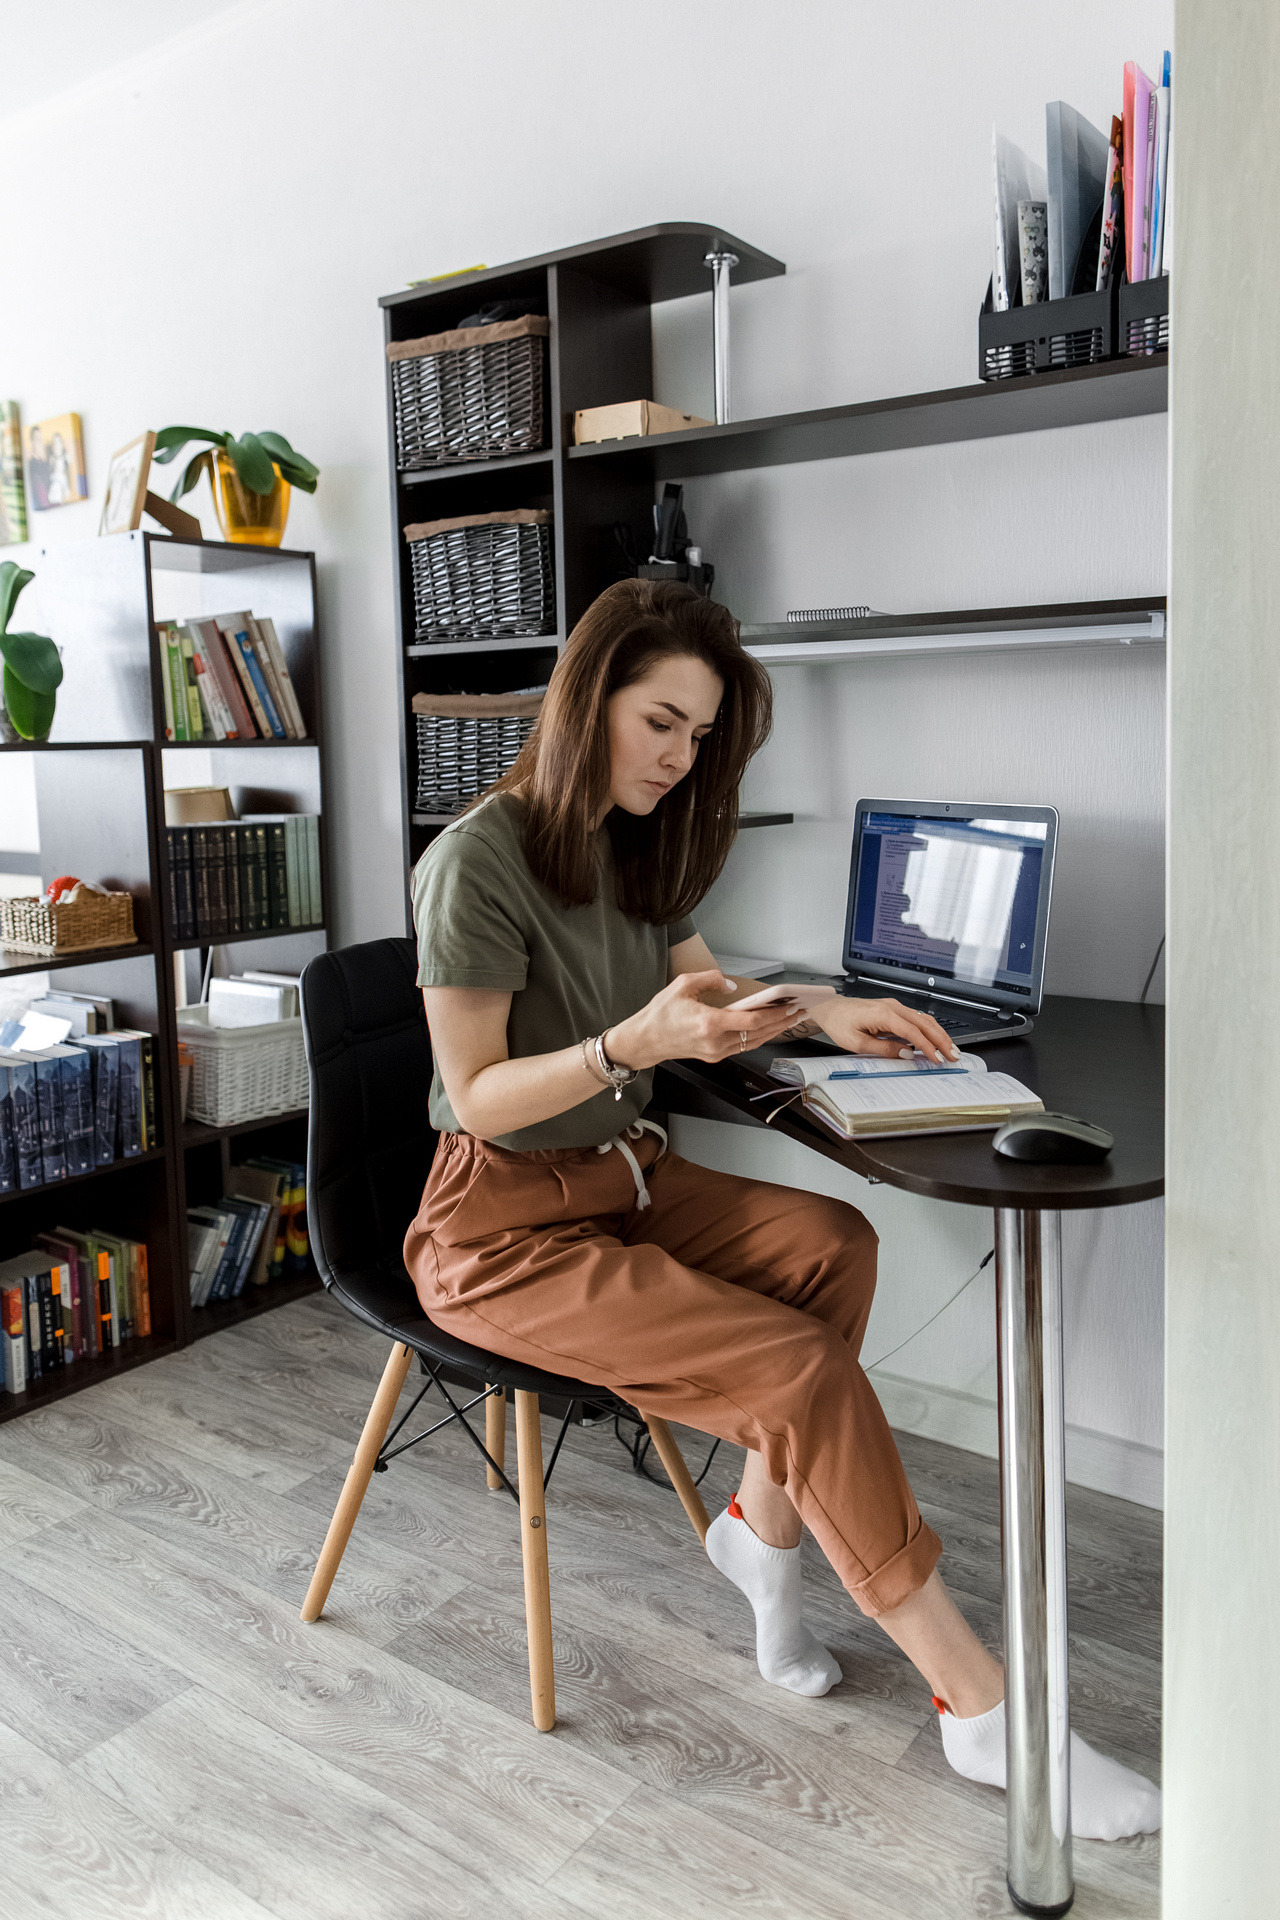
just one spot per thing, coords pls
(679, 1023)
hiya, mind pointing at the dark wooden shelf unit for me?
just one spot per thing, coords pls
(599, 298)
(253, 1301)
(100, 801)
(84, 1373)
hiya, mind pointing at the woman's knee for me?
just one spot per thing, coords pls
(847, 1240)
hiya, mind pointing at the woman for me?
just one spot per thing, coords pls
(559, 966)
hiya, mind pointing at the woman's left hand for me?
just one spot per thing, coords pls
(885, 1027)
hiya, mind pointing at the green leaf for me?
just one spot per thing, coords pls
(31, 713)
(171, 440)
(13, 579)
(32, 659)
(191, 475)
(285, 456)
(252, 463)
(302, 477)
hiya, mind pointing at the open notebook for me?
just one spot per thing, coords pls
(855, 1095)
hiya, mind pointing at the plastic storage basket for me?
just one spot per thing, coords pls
(1144, 316)
(242, 1073)
(483, 576)
(474, 393)
(466, 741)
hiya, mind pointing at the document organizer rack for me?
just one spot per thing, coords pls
(1144, 316)
(1051, 335)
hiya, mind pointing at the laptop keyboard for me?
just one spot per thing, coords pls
(957, 1021)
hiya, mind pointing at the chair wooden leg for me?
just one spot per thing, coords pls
(678, 1474)
(495, 1437)
(533, 1546)
(353, 1490)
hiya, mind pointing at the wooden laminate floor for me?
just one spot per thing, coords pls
(175, 1743)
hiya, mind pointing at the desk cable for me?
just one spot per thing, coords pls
(638, 1446)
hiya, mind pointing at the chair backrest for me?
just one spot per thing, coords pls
(370, 1141)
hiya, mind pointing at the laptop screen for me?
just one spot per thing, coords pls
(952, 895)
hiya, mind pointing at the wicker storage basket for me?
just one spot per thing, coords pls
(94, 920)
(483, 576)
(242, 1073)
(466, 741)
(474, 393)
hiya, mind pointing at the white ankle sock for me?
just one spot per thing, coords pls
(786, 1652)
(1108, 1801)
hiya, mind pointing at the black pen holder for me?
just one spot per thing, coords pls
(1047, 337)
(1144, 316)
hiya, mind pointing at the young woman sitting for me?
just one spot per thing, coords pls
(559, 966)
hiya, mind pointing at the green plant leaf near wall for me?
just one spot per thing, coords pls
(30, 712)
(255, 456)
(32, 665)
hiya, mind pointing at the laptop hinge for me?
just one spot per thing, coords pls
(936, 993)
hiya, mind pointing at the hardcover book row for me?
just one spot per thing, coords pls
(68, 1108)
(244, 876)
(72, 1297)
(255, 1233)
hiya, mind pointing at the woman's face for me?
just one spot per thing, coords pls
(654, 729)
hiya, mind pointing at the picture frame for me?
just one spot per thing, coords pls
(56, 475)
(126, 490)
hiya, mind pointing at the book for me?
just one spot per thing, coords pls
(249, 1003)
(24, 1114)
(1076, 153)
(291, 1253)
(77, 1107)
(219, 663)
(13, 1337)
(268, 666)
(166, 690)
(182, 904)
(293, 714)
(860, 1095)
(195, 715)
(53, 1151)
(129, 1113)
(220, 1222)
(83, 1340)
(1112, 245)
(255, 1214)
(266, 1185)
(1136, 116)
(311, 823)
(1159, 206)
(210, 717)
(234, 628)
(8, 1149)
(273, 846)
(213, 700)
(171, 654)
(100, 1004)
(104, 1061)
(1015, 178)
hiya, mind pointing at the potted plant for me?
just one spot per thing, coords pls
(250, 478)
(32, 668)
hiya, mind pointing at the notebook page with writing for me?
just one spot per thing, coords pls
(793, 1071)
(923, 1103)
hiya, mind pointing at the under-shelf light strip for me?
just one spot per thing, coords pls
(797, 652)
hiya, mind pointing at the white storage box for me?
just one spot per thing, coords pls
(242, 1073)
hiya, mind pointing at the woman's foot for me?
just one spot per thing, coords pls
(787, 1654)
(1108, 1801)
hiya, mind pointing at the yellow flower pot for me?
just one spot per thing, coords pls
(248, 519)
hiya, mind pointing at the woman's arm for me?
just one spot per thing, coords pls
(492, 1094)
(856, 1025)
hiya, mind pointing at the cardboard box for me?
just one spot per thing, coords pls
(184, 806)
(628, 418)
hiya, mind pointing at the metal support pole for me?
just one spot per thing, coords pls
(721, 265)
(1034, 1539)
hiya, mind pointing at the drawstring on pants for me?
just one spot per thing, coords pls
(637, 1131)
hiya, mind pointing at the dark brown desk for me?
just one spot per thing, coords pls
(1102, 1060)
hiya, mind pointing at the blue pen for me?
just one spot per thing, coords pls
(895, 1073)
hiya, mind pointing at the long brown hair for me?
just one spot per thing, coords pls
(665, 861)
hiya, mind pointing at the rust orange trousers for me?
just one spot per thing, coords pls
(728, 1305)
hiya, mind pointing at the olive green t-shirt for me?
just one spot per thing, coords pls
(483, 920)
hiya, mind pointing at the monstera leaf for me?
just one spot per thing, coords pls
(32, 668)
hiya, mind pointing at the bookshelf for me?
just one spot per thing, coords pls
(100, 785)
(599, 298)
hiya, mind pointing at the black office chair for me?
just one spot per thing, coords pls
(370, 1144)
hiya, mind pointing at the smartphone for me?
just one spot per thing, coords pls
(801, 999)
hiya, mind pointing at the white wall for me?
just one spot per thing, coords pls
(1222, 1565)
(206, 229)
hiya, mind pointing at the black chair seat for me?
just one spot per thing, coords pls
(379, 1299)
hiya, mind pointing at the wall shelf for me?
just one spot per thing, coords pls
(1075, 397)
(79, 1179)
(527, 643)
(196, 1134)
(1087, 623)
(12, 961)
(472, 469)
(242, 939)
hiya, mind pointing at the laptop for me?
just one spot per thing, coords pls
(948, 911)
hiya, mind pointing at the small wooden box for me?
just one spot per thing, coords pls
(628, 418)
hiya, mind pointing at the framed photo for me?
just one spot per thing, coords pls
(13, 497)
(127, 485)
(55, 463)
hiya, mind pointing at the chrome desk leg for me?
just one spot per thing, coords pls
(1034, 1540)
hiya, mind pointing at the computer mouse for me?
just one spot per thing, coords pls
(1053, 1137)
